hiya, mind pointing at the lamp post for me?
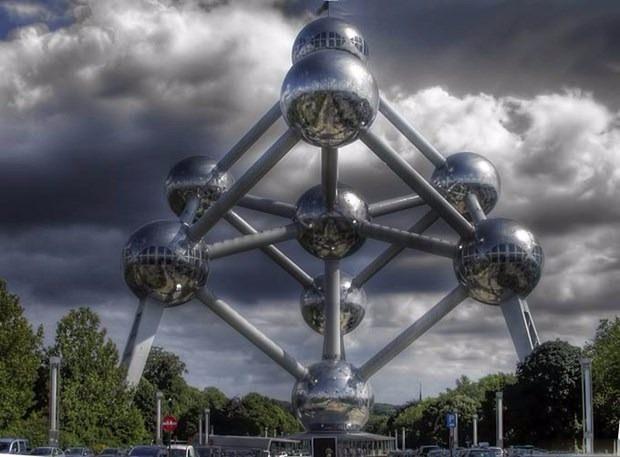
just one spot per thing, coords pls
(499, 419)
(159, 396)
(207, 412)
(475, 425)
(586, 396)
(54, 375)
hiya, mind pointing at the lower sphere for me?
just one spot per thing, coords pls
(352, 305)
(330, 234)
(159, 262)
(502, 260)
(332, 398)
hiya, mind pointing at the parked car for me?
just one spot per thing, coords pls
(148, 451)
(78, 452)
(424, 450)
(113, 452)
(181, 450)
(14, 446)
(484, 452)
(48, 451)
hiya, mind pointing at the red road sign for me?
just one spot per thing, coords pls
(169, 424)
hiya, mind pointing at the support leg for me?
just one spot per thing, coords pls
(521, 326)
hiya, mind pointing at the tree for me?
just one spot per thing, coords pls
(251, 414)
(605, 353)
(547, 393)
(21, 351)
(95, 404)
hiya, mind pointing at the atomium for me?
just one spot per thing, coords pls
(504, 259)
(352, 304)
(159, 262)
(197, 177)
(329, 97)
(332, 397)
(330, 234)
(329, 33)
(464, 173)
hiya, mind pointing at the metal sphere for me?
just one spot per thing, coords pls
(502, 260)
(329, 33)
(195, 176)
(329, 97)
(352, 305)
(330, 234)
(464, 173)
(158, 261)
(332, 397)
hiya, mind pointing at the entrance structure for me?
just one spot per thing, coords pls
(329, 99)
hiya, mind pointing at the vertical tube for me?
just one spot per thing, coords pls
(403, 440)
(53, 431)
(475, 425)
(158, 396)
(200, 442)
(499, 419)
(329, 175)
(207, 414)
(586, 389)
(331, 342)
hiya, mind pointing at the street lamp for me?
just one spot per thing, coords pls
(207, 412)
(54, 374)
(586, 401)
(159, 396)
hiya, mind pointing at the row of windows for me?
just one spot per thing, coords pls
(159, 255)
(328, 40)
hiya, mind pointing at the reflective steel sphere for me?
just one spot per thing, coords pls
(158, 261)
(330, 235)
(332, 398)
(502, 260)
(329, 33)
(352, 305)
(195, 176)
(466, 172)
(329, 97)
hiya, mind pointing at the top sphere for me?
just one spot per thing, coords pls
(195, 176)
(464, 173)
(329, 33)
(160, 262)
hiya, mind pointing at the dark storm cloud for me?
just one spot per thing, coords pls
(95, 114)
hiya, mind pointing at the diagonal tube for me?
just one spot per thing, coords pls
(145, 323)
(251, 241)
(329, 175)
(474, 208)
(407, 239)
(254, 174)
(274, 253)
(251, 333)
(394, 205)
(411, 134)
(332, 337)
(248, 140)
(267, 205)
(414, 180)
(189, 212)
(413, 332)
(386, 256)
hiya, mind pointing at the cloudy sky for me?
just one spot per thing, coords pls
(99, 98)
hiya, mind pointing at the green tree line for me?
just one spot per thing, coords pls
(98, 409)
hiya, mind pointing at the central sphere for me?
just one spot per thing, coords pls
(160, 262)
(329, 33)
(329, 97)
(502, 260)
(195, 176)
(332, 398)
(352, 305)
(464, 173)
(330, 234)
